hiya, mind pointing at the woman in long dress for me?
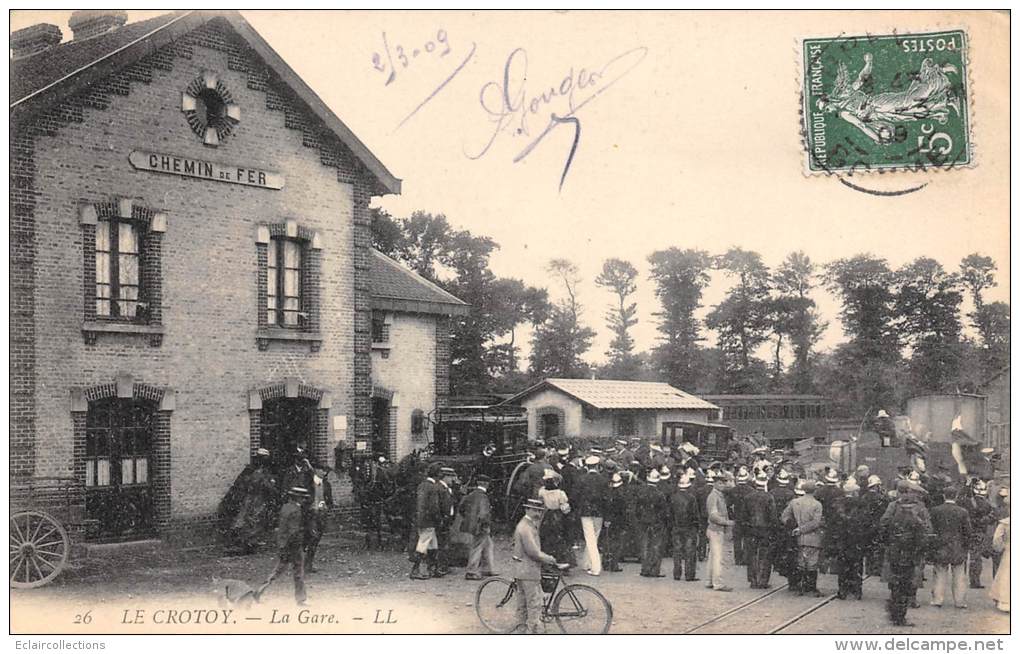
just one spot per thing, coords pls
(554, 529)
(1000, 585)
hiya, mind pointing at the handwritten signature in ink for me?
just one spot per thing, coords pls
(510, 106)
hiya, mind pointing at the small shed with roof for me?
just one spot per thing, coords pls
(601, 408)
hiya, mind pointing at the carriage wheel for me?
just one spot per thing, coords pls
(39, 549)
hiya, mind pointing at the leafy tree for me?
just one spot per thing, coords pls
(680, 277)
(977, 273)
(560, 341)
(387, 233)
(619, 276)
(868, 362)
(928, 307)
(742, 320)
(794, 315)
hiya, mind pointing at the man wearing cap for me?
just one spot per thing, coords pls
(651, 515)
(531, 478)
(827, 494)
(528, 559)
(873, 505)
(617, 522)
(951, 524)
(685, 523)
(784, 546)
(428, 518)
(761, 517)
(299, 472)
(736, 498)
(625, 455)
(906, 524)
(290, 534)
(806, 513)
(476, 520)
(592, 490)
(448, 509)
(315, 524)
(718, 520)
(982, 520)
(850, 540)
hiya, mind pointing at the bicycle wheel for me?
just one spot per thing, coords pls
(496, 606)
(581, 609)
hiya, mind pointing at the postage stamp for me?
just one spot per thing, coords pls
(881, 102)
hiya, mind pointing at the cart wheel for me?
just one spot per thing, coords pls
(39, 549)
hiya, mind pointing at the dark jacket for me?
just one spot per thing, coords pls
(783, 496)
(684, 510)
(447, 505)
(428, 511)
(476, 512)
(951, 524)
(652, 508)
(905, 525)
(590, 494)
(735, 500)
(702, 492)
(759, 512)
(290, 530)
(617, 502)
(872, 506)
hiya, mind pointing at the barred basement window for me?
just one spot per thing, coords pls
(118, 282)
(283, 284)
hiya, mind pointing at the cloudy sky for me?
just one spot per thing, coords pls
(689, 136)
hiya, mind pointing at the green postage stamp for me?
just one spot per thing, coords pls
(881, 102)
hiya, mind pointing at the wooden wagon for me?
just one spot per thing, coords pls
(47, 513)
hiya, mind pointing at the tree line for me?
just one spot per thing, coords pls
(904, 328)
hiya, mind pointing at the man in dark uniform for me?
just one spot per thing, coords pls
(784, 546)
(476, 520)
(299, 472)
(905, 524)
(630, 491)
(618, 524)
(685, 523)
(651, 518)
(290, 540)
(448, 509)
(827, 494)
(982, 520)
(760, 519)
(873, 503)
(322, 502)
(592, 490)
(625, 456)
(428, 517)
(850, 540)
(736, 506)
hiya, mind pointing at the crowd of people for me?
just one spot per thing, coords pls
(640, 501)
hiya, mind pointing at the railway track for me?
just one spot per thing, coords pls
(759, 615)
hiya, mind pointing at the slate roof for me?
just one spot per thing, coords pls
(53, 75)
(34, 73)
(396, 288)
(611, 394)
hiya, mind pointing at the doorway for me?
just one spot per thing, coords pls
(118, 451)
(381, 427)
(286, 423)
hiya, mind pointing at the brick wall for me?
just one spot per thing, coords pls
(78, 153)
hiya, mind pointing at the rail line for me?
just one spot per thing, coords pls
(761, 598)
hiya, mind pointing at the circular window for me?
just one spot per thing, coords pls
(209, 108)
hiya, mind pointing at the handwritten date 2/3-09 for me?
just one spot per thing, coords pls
(399, 58)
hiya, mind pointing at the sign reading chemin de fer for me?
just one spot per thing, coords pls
(172, 164)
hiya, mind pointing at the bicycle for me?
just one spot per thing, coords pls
(576, 608)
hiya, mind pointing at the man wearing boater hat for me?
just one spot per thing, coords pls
(590, 497)
(761, 517)
(428, 517)
(651, 517)
(685, 523)
(476, 520)
(528, 559)
(290, 534)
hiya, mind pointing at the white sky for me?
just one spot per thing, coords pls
(697, 146)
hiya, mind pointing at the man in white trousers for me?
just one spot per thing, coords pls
(592, 491)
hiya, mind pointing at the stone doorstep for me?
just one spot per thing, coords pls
(107, 550)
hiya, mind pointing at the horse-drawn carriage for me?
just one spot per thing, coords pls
(473, 440)
(46, 512)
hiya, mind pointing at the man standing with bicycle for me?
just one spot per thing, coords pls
(528, 559)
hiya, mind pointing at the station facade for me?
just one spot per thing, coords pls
(190, 266)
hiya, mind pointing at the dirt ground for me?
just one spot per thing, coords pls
(366, 591)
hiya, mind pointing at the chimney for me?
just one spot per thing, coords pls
(32, 40)
(86, 24)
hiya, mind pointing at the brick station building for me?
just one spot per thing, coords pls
(190, 268)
